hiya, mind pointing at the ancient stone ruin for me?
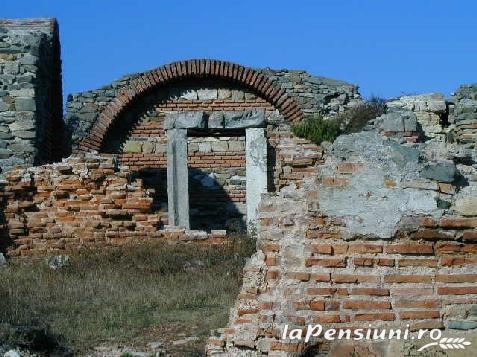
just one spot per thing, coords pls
(378, 227)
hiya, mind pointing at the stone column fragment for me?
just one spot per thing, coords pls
(256, 170)
(177, 178)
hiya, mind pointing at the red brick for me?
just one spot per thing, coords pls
(271, 261)
(365, 248)
(321, 291)
(250, 311)
(303, 276)
(326, 262)
(458, 222)
(385, 262)
(409, 248)
(364, 262)
(322, 248)
(320, 276)
(457, 278)
(418, 262)
(428, 304)
(411, 291)
(470, 235)
(394, 278)
(433, 234)
(270, 247)
(382, 316)
(412, 315)
(349, 167)
(329, 318)
(334, 181)
(370, 291)
(448, 260)
(366, 305)
(458, 290)
(317, 305)
(352, 278)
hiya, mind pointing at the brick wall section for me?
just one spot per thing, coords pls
(32, 130)
(311, 268)
(83, 201)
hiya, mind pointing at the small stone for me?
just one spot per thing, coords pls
(158, 345)
(5, 153)
(12, 353)
(3, 260)
(58, 261)
(466, 206)
(462, 324)
(443, 171)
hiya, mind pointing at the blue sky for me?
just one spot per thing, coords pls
(388, 48)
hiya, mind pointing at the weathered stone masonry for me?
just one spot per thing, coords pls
(381, 231)
(31, 115)
(378, 227)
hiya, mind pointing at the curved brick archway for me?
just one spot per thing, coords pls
(184, 70)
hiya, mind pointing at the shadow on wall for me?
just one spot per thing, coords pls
(210, 205)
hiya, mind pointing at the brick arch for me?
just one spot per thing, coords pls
(175, 71)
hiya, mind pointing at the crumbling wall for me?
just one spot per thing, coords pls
(86, 200)
(31, 123)
(382, 231)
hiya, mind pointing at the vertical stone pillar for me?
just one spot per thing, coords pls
(177, 178)
(256, 171)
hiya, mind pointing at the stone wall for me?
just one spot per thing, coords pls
(381, 230)
(31, 124)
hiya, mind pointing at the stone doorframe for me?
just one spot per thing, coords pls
(177, 125)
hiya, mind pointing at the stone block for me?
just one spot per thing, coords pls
(207, 94)
(205, 147)
(236, 145)
(25, 104)
(224, 93)
(250, 119)
(148, 147)
(160, 148)
(220, 146)
(443, 171)
(189, 94)
(132, 146)
(5, 153)
(216, 120)
(185, 120)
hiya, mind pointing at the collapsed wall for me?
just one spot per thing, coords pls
(382, 231)
(31, 116)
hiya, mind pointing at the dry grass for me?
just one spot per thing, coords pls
(132, 295)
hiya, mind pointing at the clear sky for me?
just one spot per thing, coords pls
(387, 47)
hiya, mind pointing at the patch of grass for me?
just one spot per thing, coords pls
(126, 294)
(317, 129)
(354, 119)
